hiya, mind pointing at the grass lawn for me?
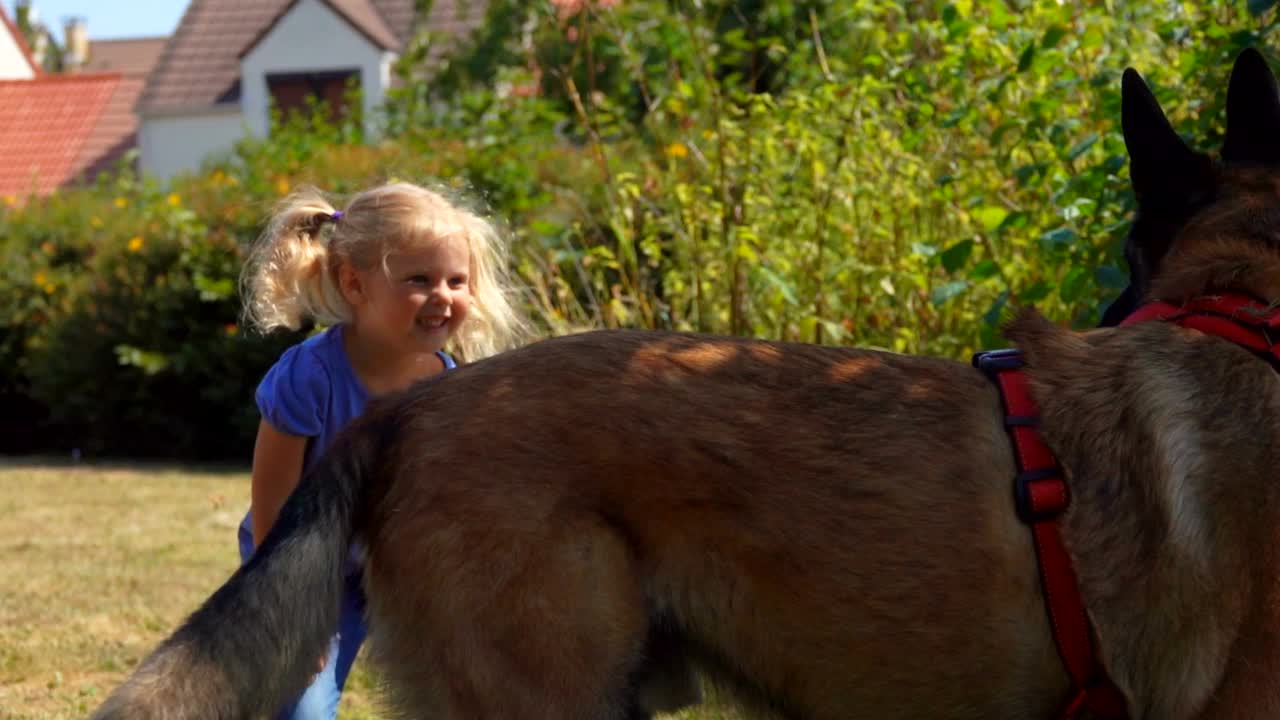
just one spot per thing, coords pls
(98, 564)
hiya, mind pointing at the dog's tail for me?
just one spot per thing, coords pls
(255, 642)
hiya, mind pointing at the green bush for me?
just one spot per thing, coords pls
(873, 173)
(122, 325)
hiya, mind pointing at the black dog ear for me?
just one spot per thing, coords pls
(1170, 181)
(1163, 170)
(1253, 112)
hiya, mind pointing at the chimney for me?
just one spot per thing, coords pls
(76, 42)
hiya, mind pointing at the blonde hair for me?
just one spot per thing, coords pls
(291, 273)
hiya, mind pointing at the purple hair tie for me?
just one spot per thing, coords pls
(336, 216)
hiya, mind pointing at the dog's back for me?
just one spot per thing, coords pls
(788, 513)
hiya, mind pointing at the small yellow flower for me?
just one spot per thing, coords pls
(135, 243)
(677, 150)
(175, 200)
(95, 221)
(282, 186)
(10, 200)
(40, 277)
(122, 203)
(49, 288)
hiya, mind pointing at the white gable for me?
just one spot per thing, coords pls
(311, 38)
(13, 62)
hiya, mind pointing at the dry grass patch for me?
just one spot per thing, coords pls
(98, 564)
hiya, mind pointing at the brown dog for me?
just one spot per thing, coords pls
(828, 533)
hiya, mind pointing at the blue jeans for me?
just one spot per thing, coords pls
(320, 700)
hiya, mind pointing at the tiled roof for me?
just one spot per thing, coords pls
(200, 65)
(358, 13)
(46, 127)
(126, 55)
(117, 129)
(399, 16)
(454, 20)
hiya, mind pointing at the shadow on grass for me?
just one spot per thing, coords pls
(146, 466)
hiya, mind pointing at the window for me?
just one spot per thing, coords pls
(293, 92)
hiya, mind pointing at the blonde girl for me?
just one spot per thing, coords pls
(408, 284)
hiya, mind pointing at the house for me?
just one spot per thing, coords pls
(16, 59)
(117, 130)
(230, 61)
(57, 129)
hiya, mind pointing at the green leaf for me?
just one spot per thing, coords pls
(149, 362)
(991, 216)
(213, 290)
(943, 293)
(1081, 147)
(776, 280)
(1052, 36)
(1110, 276)
(1028, 55)
(924, 249)
(1257, 7)
(983, 270)
(1025, 172)
(1057, 238)
(954, 257)
(998, 134)
(994, 313)
(1073, 285)
(1035, 293)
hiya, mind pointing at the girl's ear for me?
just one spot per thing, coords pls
(351, 284)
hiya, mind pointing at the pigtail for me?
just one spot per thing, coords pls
(289, 273)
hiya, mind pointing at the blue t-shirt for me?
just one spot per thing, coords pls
(312, 391)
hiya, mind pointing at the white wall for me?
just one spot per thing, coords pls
(172, 143)
(312, 38)
(13, 64)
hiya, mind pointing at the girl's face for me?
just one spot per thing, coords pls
(420, 300)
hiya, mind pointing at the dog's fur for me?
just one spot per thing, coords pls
(829, 533)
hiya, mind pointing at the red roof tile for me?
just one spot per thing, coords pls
(45, 127)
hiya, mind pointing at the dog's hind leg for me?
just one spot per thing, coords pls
(468, 624)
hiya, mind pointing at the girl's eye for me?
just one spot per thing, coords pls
(419, 279)
(457, 282)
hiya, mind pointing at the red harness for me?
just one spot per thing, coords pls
(1041, 494)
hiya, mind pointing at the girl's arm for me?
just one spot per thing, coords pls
(277, 468)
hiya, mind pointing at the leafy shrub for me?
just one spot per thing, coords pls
(878, 173)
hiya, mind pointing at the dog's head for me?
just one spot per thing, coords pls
(1183, 196)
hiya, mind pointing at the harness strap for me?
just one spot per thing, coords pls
(1243, 320)
(1041, 496)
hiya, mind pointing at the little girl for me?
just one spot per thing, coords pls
(406, 282)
